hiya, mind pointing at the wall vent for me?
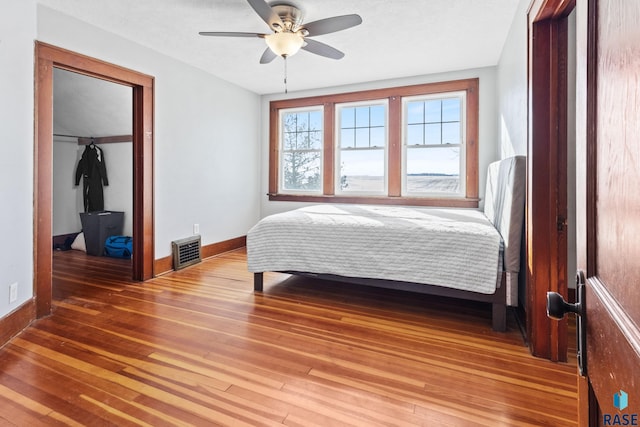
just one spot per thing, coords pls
(186, 252)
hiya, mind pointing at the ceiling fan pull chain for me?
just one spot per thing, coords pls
(285, 74)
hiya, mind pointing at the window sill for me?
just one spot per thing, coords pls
(448, 202)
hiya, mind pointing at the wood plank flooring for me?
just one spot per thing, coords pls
(198, 347)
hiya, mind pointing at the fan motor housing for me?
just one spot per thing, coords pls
(289, 13)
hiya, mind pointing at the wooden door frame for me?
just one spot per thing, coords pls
(546, 231)
(586, 139)
(47, 58)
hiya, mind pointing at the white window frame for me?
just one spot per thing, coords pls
(338, 144)
(462, 96)
(281, 150)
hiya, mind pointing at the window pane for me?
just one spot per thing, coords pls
(289, 122)
(362, 138)
(347, 138)
(362, 117)
(377, 116)
(432, 134)
(302, 121)
(378, 137)
(289, 142)
(302, 170)
(302, 140)
(433, 111)
(451, 110)
(362, 171)
(415, 134)
(348, 118)
(433, 170)
(315, 120)
(415, 112)
(316, 140)
(451, 133)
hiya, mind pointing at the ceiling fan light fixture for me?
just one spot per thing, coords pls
(284, 44)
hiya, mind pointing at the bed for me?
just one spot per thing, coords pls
(459, 253)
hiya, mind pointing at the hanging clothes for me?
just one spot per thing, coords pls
(93, 171)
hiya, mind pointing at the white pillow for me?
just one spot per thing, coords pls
(79, 243)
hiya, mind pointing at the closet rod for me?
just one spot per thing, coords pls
(69, 136)
(105, 139)
(86, 140)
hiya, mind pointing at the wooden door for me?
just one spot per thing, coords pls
(608, 207)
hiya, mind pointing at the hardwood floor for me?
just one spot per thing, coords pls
(198, 347)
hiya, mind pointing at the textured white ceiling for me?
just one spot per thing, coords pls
(398, 38)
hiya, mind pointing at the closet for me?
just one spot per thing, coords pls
(94, 115)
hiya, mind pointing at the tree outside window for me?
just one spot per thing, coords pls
(302, 150)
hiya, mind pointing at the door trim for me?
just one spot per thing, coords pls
(547, 180)
(586, 183)
(48, 57)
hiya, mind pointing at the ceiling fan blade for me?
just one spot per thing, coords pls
(230, 34)
(267, 56)
(322, 49)
(330, 25)
(267, 14)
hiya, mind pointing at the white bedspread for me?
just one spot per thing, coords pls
(456, 248)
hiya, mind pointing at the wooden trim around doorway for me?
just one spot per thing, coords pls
(546, 230)
(47, 58)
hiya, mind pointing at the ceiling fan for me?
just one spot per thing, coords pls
(290, 34)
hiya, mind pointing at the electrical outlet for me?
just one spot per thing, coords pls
(196, 228)
(13, 292)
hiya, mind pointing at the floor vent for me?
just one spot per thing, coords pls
(186, 252)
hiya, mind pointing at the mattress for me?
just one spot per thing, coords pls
(454, 248)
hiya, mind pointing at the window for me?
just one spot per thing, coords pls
(362, 155)
(434, 141)
(413, 145)
(301, 150)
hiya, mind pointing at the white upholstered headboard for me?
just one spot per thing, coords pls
(504, 205)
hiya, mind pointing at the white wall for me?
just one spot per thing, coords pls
(512, 102)
(512, 112)
(118, 195)
(512, 88)
(488, 136)
(65, 194)
(17, 32)
(206, 136)
(67, 197)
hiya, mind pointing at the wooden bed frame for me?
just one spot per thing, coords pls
(497, 299)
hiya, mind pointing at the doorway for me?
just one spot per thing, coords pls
(547, 195)
(91, 116)
(47, 58)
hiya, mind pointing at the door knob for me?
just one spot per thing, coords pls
(557, 308)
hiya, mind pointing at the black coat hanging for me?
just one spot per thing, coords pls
(93, 170)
